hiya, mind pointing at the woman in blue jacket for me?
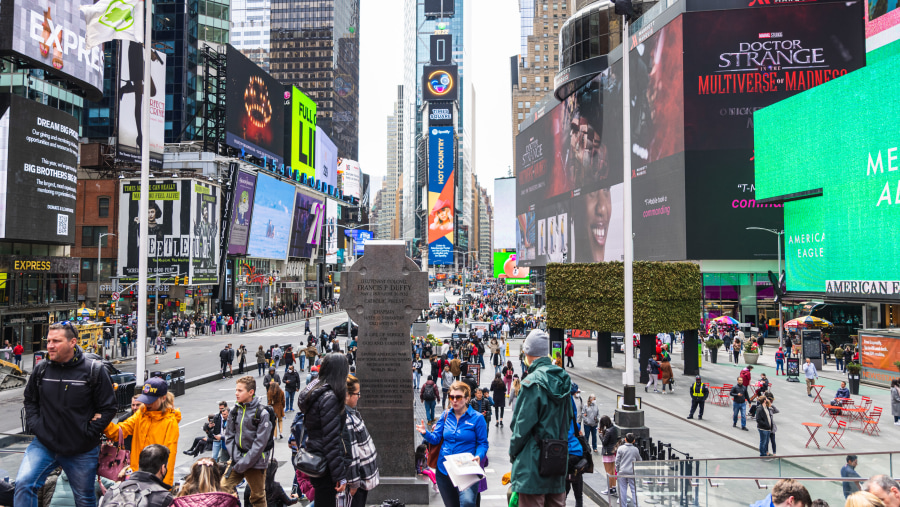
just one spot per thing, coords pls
(462, 430)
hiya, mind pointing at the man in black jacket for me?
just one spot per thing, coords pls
(226, 358)
(62, 396)
(699, 393)
(291, 385)
(739, 404)
(148, 480)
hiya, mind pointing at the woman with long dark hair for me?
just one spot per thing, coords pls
(322, 403)
(609, 437)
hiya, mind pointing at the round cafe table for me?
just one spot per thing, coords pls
(812, 428)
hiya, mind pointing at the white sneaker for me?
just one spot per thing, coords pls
(897, 423)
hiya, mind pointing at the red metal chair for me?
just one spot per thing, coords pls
(866, 403)
(835, 436)
(870, 423)
(725, 395)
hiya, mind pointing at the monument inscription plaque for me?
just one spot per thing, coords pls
(384, 292)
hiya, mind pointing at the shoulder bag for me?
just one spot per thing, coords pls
(554, 455)
(113, 458)
(433, 452)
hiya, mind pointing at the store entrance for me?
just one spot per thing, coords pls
(39, 335)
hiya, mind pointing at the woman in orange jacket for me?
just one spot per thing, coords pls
(155, 423)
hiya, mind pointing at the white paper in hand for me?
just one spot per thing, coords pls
(463, 469)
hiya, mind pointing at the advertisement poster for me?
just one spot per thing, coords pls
(38, 172)
(25, 31)
(879, 353)
(331, 232)
(169, 228)
(254, 109)
(244, 189)
(358, 238)
(505, 268)
(504, 213)
(439, 82)
(882, 23)
(270, 229)
(441, 195)
(309, 217)
(206, 211)
(131, 102)
(303, 133)
(350, 177)
(738, 61)
(326, 159)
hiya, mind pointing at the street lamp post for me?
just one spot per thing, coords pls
(778, 276)
(99, 249)
(630, 403)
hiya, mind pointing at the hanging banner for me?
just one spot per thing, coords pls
(331, 232)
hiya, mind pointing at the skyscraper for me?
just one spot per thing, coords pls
(314, 45)
(389, 211)
(250, 27)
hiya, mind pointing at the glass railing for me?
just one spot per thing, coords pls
(12, 451)
(733, 482)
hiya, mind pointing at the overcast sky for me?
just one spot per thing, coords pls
(494, 38)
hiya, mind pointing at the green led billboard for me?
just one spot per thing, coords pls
(840, 137)
(505, 267)
(303, 134)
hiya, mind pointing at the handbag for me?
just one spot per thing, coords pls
(433, 452)
(113, 458)
(308, 462)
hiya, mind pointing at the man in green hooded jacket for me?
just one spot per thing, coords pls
(542, 411)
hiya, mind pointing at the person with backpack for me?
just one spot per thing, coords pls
(249, 439)
(145, 487)
(653, 370)
(66, 433)
(429, 396)
(155, 423)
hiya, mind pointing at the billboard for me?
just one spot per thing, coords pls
(38, 171)
(738, 61)
(183, 237)
(440, 114)
(242, 212)
(441, 195)
(882, 23)
(839, 242)
(253, 108)
(440, 82)
(303, 133)
(504, 213)
(131, 95)
(505, 267)
(350, 177)
(49, 34)
(359, 238)
(326, 159)
(879, 353)
(309, 217)
(442, 8)
(270, 229)
(331, 231)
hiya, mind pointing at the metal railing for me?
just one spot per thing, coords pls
(732, 482)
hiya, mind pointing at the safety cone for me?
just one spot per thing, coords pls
(157, 360)
(177, 355)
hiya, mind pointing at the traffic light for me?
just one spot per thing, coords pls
(159, 306)
(185, 279)
(176, 281)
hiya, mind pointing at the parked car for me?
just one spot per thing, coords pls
(341, 329)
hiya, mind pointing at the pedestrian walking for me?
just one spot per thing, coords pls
(429, 395)
(276, 400)
(248, 440)
(498, 392)
(839, 359)
(241, 357)
(764, 423)
(809, 370)
(739, 404)
(626, 456)
(446, 381)
(260, 361)
(570, 353)
(514, 393)
(417, 371)
(591, 420)
(653, 370)
(291, 386)
(667, 376)
(895, 400)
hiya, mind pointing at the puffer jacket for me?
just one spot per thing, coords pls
(149, 427)
(217, 499)
(63, 495)
(324, 420)
(242, 433)
(261, 357)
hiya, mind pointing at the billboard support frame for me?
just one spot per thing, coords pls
(214, 111)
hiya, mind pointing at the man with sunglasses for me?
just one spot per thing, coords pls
(61, 397)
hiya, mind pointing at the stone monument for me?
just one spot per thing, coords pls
(384, 292)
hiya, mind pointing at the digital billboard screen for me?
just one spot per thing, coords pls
(331, 231)
(242, 212)
(737, 61)
(838, 243)
(350, 176)
(273, 207)
(441, 195)
(38, 171)
(504, 213)
(205, 213)
(882, 23)
(440, 82)
(49, 34)
(442, 8)
(505, 268)
(302, 133)
(131, 95)
(359, 238)
(326, 159)
(309, 217)
(254, 109)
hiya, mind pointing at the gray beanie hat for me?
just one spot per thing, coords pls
(537, 344)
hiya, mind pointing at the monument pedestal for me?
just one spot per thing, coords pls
(408, 490)
(629, 419)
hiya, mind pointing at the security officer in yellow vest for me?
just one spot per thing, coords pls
(699, 393)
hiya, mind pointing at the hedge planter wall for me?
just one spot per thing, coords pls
(667, 296)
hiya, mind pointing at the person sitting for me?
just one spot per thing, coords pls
(203, 487)
(203, 443)
(842, 392)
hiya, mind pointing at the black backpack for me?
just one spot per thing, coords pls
(428, 393)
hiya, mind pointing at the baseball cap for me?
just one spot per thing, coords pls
(314, 368)
(154, 388)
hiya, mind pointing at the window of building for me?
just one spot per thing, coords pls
(528, 105)
(103, 207)
(90, 235)
(546, 79)
(537, 79)
(520, 105)
(521, 116)
(524, 79)
(545, 7)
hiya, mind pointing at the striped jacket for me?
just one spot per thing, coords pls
(363, 469)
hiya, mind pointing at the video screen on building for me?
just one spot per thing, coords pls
(506, 268)
(205, 213)
(273, 210)
(358, 238)
(440, 82)
(882, 23)
(302, 128)
(254, 109)
(842, 242)
(38, 171)
(441, 195)
(326, 159)
(331, 231)
(350, 176)
(131, 105)
(309, 217)
(242, 212)
(504, 232)
(49, 34)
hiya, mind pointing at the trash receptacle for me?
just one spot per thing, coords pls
(179, 381)
(39, 356)
(166, 375)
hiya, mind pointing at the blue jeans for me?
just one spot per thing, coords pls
(839, 364)
(764, 442)
(260, 369)
(591, 436)
(217, 448)
(429, 409)
(416, 378)
(742, 408)
(289, 399)
(301, 359)
(481, 360)
(81, 469)
(451, 496)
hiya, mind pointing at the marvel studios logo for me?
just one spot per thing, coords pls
(771, 35)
